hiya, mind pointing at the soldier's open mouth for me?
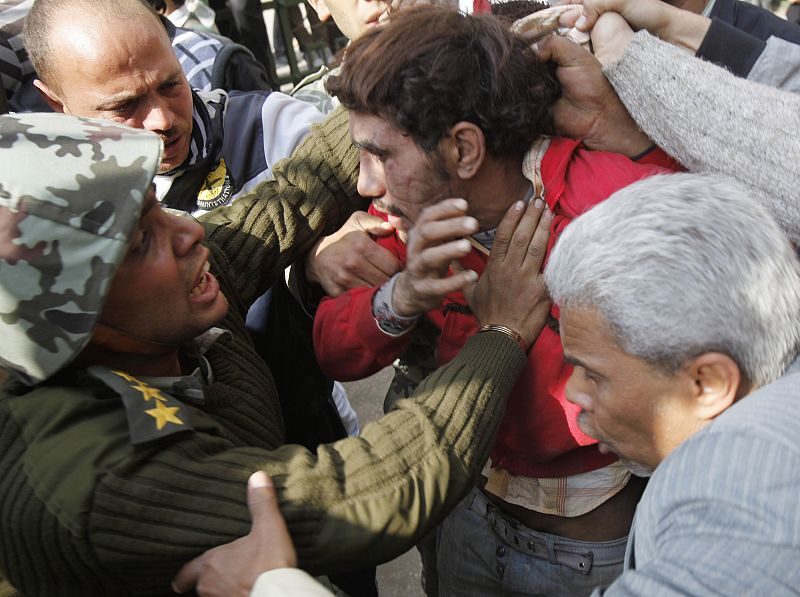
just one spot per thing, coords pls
(202, 283)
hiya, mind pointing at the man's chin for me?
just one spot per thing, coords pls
(168, 166)
(171, 160)
(640, 470)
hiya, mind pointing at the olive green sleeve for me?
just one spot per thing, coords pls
(311, 195)
(357, 502)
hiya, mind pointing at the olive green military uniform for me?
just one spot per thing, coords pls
(110, 482)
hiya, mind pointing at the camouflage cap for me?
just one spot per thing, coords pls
(71, 191)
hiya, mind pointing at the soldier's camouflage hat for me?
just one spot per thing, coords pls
(71, 192)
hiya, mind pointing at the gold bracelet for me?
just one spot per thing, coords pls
(494, 327)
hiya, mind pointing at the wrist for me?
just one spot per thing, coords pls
(399, 301)
(514, 335)
(310, 261)
(683, 28)
(388, 320)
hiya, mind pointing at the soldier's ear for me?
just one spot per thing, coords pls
(49, 96)
(323, 12)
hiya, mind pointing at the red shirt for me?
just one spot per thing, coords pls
(538, 436)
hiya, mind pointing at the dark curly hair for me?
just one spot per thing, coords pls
(432, 67)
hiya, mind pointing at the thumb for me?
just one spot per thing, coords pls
(558, 49)
(373, 225)
(262, 501)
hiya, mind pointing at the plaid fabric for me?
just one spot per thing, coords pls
(562, 496)
(15, 66)
(196, 51)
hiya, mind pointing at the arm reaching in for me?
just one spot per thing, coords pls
(350, 258)
(680, 27)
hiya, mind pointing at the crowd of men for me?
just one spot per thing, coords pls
(581, 258)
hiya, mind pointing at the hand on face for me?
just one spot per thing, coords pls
(436, 240)
(511, 291)
(589, 108)
(349, 258)
(231, 570)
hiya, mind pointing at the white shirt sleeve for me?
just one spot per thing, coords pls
(288, 582)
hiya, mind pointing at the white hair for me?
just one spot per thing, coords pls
(683, 264)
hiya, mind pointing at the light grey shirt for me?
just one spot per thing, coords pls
(721, 515)
(714, 122)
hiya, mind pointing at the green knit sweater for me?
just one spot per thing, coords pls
(85, 512)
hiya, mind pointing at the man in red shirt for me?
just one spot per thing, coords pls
(444, 105)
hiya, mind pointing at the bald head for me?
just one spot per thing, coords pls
(44, 26)
(112, 59)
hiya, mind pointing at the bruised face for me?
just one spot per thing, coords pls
(399, 177)
(633, 407)
(163, 291)
(125, 72)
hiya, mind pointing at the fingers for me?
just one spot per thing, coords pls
(262, 501)
(370, 224)
(562, 51)
(469, 288)
(610, 37)
(592, 9)
(440, 224)
(439, 257)
(537, 247)
(426, 293)
(268, 525)
(447, 208)
(505, 230)
(187, 576)
(518, 231)
(380, 264)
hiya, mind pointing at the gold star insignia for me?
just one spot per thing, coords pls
(164, 414)
(126, 377)
(149, 392)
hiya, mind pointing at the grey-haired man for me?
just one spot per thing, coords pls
(680, 311)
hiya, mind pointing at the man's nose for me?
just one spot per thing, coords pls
(186, 233)
(574, 390)
(370, 178)
(158, 116)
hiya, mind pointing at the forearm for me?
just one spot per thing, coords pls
(714, 122)
(353, 503)
(312, 194)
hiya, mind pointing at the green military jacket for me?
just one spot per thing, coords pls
(108, 485)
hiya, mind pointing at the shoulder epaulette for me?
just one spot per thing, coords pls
(152, 413)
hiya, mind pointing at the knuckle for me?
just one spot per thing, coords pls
(535, 251)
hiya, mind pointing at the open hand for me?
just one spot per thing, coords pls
(511, 291)
(436, 240)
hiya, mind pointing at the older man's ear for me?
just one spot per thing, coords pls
(717, 384)
(50, 96)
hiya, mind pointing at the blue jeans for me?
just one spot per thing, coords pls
(483, 552)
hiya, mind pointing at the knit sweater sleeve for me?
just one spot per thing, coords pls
(354, 503)
(311, 195)
(714, 122)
